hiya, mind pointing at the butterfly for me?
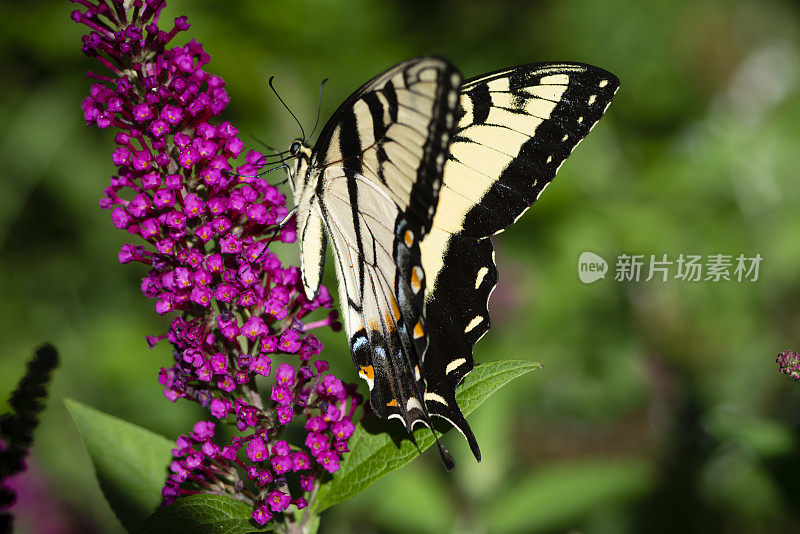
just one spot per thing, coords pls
(406, 182)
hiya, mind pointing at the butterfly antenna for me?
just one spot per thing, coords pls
(275, 233)
(282, 166)
(287, 107)
(261, 142)
(319, 108)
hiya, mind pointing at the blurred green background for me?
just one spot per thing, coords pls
(659, 407)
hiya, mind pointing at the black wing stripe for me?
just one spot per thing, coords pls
(352, 191)
(377, 112)
(481, 102)
(391, 97)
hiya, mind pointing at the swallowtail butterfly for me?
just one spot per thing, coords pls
(406, 182)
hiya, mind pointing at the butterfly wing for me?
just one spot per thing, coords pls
(380, 160)
(400, 202)
(382, 288)
(515, 128)
(394, 131)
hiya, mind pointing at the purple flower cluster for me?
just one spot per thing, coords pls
(789, 363)
(207, 230)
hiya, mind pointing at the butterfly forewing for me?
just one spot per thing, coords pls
(515, 128)
(395, 131)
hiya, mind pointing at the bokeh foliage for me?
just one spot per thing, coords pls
(659, 407)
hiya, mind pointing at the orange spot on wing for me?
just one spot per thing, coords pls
(392, 318)
(408, 237)
(395, 310)
(367, 372)
(419, 331)
(392, 402)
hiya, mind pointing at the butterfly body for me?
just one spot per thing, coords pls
(406, 182)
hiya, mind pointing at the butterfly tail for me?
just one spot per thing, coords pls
(457, 419)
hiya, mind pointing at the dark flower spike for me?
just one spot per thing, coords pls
(203, 227)
(17, 426)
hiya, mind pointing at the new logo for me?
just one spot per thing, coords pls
(591, 267)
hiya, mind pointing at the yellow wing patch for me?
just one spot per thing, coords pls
(408, 237)
(366, 372)
(419, 331)
(395, 314)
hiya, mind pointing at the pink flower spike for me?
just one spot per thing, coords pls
(202, 232)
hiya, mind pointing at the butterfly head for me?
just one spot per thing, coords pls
(300, 152)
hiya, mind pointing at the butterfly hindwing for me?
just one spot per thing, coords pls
(382, 295)
(457, 316)
(311, 231)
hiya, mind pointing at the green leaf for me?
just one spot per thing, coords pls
(559, 496)
(129, 461)
(379, 447)
(209, 514)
